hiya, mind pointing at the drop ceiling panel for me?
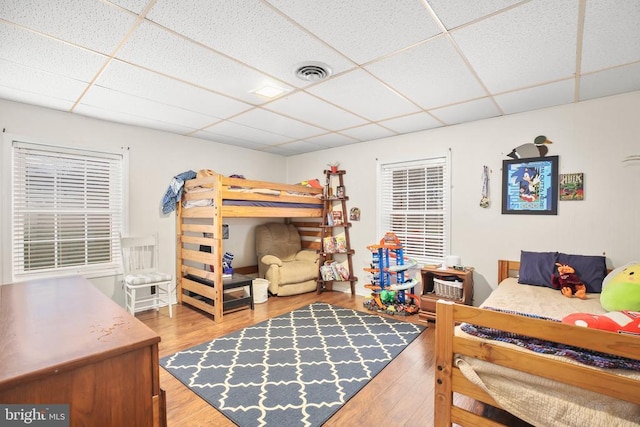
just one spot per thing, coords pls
(34, 81)
(141, 83)
(432, 74)
(467, 112)
(368, 132)
(610, 82)
(93, 24)
(276, 123)
(557, 93)
(248, 133)
(332, 140)
(379, 28)
(310, 109)
(13, 94)
(454, 13)
(134, 106)
(190, 67)
(249, 31)
(135, 6)
(531, 44)
(159, 50)
(119, 117)
(412, 123)
(611, 34)
(229, 140)
(46, 54)
(363, 95)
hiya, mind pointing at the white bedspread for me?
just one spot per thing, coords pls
(537, 400)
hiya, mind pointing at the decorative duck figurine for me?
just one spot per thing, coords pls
(535, 149)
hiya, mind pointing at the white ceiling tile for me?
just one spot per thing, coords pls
(531, 44)
(167, 53)
(91, 24)
(49, 85)
(431, 74)
(557, 93)
(412, 123)
(247, 133)
(611, 34)
(308, 108)
(112, 100)
(227, 139)
(135, 6)
(610, 82)
(27, 97)
(368, 132)
(145, 84)
(332, 140)
(248, 30)
(454, 13)
(467, 112)
(298, 147)
(119, 117)
(43, 53)
(365, 29)
(363, 95)
(276, 123)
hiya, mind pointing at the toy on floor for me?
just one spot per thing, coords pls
(392, 292)
(568, 282)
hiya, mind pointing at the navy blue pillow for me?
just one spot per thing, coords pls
(591, 269)
(536, 268)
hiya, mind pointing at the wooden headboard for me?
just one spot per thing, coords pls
(507, 269)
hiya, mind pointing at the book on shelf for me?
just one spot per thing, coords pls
(340, 242)
(329, 244)
(336, 217)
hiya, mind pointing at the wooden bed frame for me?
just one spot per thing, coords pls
(193, 223)
(449, 379)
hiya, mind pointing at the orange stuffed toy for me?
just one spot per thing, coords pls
(568, 282)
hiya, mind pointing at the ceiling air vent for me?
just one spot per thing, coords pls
(313, 71)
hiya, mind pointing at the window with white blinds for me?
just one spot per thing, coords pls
(414, 204)
(67, 208)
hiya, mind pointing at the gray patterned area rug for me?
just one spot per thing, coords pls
(296, 369)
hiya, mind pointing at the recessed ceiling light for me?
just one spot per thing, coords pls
(270, 91)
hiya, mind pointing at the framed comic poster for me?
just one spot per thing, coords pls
(530, 186)
(571, 186)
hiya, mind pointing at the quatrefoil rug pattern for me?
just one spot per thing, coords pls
(296, 369)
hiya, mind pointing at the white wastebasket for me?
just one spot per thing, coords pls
(260, 290)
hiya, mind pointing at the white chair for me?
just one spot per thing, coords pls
(140, 266)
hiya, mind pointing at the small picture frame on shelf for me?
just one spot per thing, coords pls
(340, 191)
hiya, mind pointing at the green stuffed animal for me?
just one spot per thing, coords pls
(621, 289)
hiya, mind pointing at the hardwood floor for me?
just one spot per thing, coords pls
(401, 395)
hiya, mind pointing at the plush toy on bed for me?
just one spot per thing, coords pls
(568, 282)
(621, 298)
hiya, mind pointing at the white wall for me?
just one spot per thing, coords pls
(591, 137)
(154, 158)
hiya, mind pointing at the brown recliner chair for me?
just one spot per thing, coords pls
(289, 269)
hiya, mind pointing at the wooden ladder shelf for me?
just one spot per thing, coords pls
(335, 243)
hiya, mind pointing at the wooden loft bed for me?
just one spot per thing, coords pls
(206, 203)
(451, 344)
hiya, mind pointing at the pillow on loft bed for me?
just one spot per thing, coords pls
(536, 268)
(591, 269)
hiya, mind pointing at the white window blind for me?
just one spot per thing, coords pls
(67, 210)
(414, 204)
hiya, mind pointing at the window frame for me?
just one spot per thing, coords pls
(8, 237)
(443, 160)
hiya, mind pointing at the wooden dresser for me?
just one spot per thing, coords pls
(63, 341)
